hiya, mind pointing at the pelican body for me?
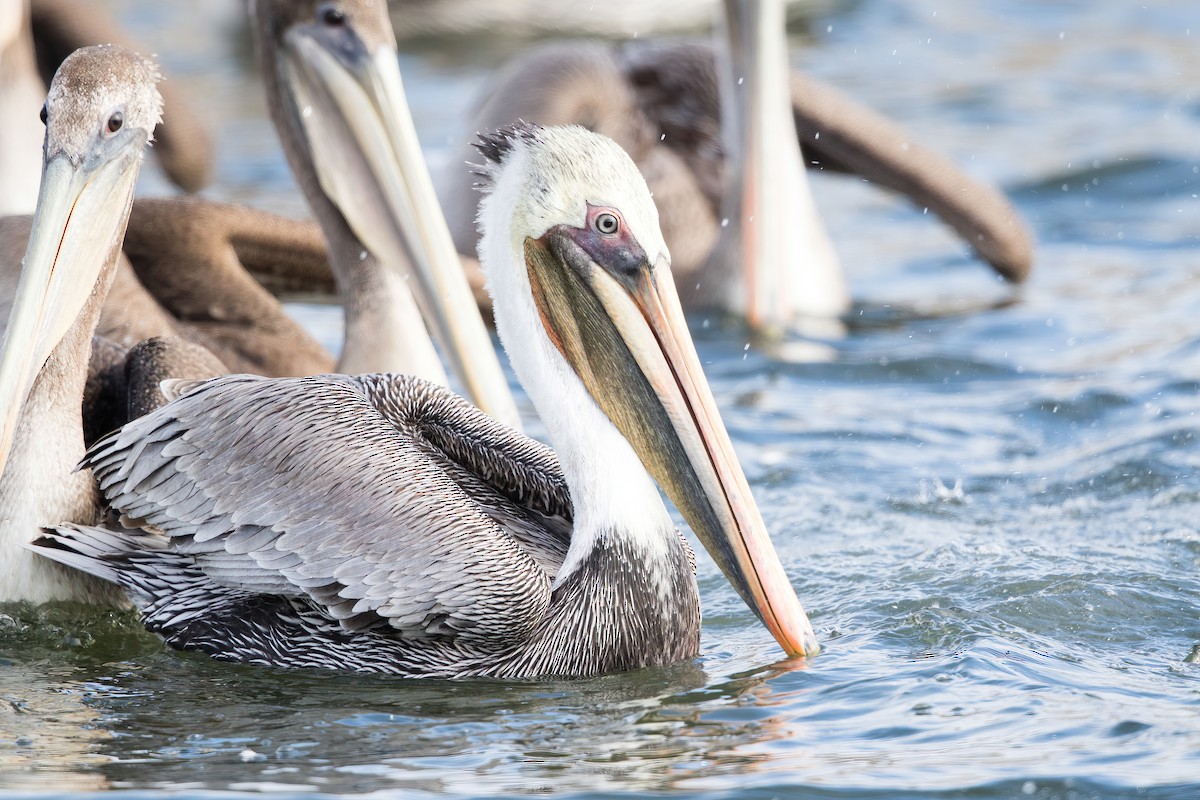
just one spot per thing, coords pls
(380, 523)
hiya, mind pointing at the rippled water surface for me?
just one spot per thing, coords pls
(990, 508)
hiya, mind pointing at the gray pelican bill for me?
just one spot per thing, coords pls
(711, 151)
(380, 523)
(100, 114)
(335, 95)
(35, 37)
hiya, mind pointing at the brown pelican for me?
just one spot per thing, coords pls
(35, 37)
(100, 113)
(380, 523)
(125, 383)
(334, 91)
(707, 160)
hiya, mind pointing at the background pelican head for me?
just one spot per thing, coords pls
(100, 113)
(332, 68)
(586, 306)
(338, 101)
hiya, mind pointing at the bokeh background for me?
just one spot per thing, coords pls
(987, 498)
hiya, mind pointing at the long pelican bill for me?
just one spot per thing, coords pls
(73, 225)
(621, 328)
(792, 278)
(352, 107)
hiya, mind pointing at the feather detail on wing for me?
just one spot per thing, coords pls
(513, 479)
(337, 489)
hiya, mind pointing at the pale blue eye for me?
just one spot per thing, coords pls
(607, 224)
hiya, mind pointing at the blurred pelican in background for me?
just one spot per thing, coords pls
(717, 136)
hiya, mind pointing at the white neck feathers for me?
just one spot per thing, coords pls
(611, 491)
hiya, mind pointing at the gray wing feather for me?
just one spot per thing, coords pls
(513, 479)
(338, 489)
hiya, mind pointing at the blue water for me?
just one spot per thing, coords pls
(987, 500)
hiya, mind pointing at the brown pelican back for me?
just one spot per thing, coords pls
(155, 360)
(126, 384)
(677, 89)
(661, 102)
(192, 257)
(105, 403)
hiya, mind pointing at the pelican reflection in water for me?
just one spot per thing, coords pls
(381, 523)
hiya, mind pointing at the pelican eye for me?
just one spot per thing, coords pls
(45, 115)
(332, 16)
(115, 122)
(607, 224)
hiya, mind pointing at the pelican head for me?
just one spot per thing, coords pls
(342, 108)
(581, 280)
(99, 114)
